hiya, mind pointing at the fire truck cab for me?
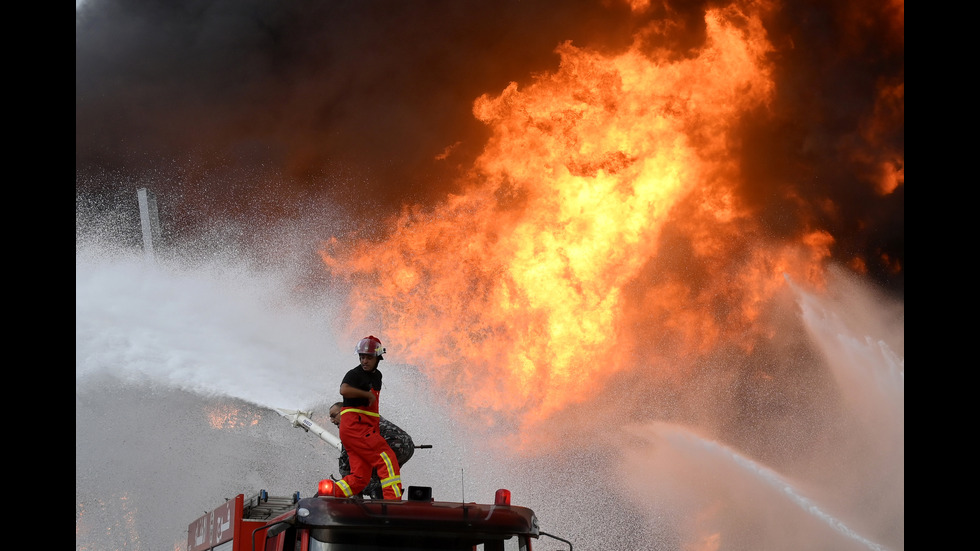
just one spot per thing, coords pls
(323, 523)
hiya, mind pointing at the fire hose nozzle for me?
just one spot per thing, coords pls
(303, 420)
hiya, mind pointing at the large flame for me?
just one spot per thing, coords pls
(599, 225)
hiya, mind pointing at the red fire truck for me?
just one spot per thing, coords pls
(325, 523)
(417, 523)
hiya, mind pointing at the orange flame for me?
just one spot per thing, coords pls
(229, 417)
(600, 224)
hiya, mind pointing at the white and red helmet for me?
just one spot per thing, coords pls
(371, 345)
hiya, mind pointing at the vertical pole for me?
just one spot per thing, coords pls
(149, 221)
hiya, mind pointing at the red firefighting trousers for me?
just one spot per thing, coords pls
(367, 450)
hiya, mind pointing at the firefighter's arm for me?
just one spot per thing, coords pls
(348, 391)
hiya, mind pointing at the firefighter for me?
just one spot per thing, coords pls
(399, 441)
(360, 431)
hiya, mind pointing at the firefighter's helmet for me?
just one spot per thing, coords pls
(371, 345)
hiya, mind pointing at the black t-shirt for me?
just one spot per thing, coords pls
(364, 380)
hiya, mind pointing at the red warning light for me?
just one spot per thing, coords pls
(325, 487)
(502, 497)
